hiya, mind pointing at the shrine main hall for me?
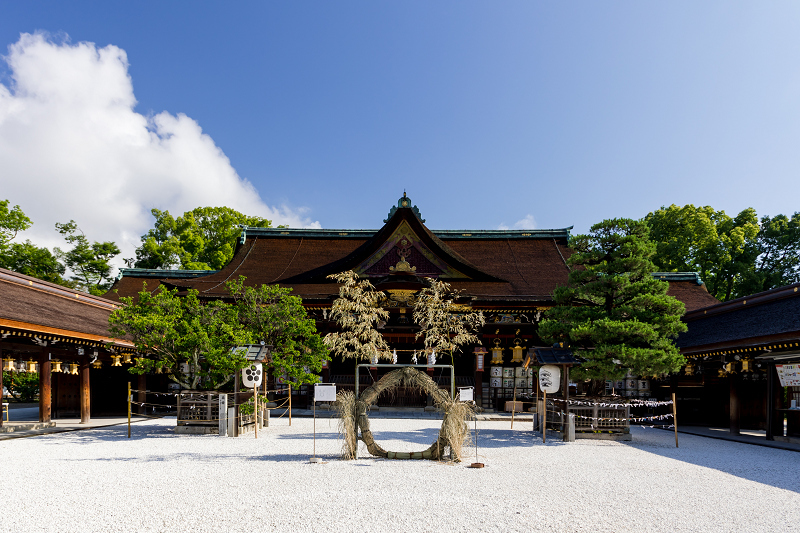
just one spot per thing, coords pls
(509, 275)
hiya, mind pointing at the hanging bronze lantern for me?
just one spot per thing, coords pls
(747, 365)
(31, 366)
(127, 359)
(55, 365)
(516, 352)
(97, 365)
(689, 369)
(73, 369)
(497, 356)
(116, 359)
(9, 366)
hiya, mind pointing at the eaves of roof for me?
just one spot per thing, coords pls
(761, 298)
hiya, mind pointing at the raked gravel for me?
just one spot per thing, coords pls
(98, 480)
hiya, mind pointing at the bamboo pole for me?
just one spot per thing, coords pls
(513, 403)
(129, 409)
(544, 422)
(675, 418)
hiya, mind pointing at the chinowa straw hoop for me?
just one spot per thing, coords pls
(353, 417)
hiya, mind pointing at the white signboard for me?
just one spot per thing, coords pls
(465, 394)
(549, 378)
(325, 392)
(252, 375)
(789, 375)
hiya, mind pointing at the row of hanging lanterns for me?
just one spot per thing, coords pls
(497, 352)
(56, 365)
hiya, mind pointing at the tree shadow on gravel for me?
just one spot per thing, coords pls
(770, 466)
(210, 457)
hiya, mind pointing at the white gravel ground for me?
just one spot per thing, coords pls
(98, 480)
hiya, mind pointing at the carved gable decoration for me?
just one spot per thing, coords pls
(404, 252)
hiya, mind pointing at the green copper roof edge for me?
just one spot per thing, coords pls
(442, 234)
(679, 276)
(163, 274)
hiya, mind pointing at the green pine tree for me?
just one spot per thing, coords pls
(613, 313)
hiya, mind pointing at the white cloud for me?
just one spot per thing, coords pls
(526, 223)
(72, 147)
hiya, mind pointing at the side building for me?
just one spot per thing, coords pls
(62, 334)
(736, 352)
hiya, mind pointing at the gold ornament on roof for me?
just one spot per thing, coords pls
(403, 266)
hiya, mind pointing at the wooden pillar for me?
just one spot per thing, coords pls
(85, 390)
(141, 396)
(733, 404)
(565, 385)
(45, 384)
(1, 385)
(774, 394)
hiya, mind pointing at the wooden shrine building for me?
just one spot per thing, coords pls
(63, 335)
(733, 351)
(509, 275)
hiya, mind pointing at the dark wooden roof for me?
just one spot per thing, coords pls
(31, 305)
(495, 267)
(765, 317)
(553, 356)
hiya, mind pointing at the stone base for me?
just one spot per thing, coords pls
(10, 427)
(604, 436)
(791, 440)
(197, 430)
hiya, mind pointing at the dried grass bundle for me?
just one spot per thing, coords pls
(345, 407)
(453, 433)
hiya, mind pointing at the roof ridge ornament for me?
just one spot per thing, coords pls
(404, 203)
(403, 266)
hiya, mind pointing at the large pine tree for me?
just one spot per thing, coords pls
(613, 313)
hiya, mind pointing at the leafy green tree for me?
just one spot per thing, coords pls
(25, 258)
(24, 386)
(89, 263)
(443, 325)
(31, 260)
(734, 256)
(201, 239)
(700, 239)
(777, 251)
(613, 313)
(358, 312)
(12, 221)
(173, 331)
(272, 315)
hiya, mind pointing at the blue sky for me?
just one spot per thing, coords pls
(487, 113)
